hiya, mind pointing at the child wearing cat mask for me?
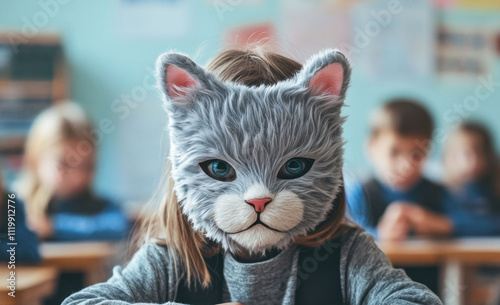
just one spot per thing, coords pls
(252, 207)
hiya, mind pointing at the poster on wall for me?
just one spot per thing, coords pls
(390, 38)
(394, 39)
(152, 18)
(444, 4)
(311, 25)
(479, 4)
(465, 51)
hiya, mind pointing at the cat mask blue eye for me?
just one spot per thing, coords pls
(295, 168)
(218, 169)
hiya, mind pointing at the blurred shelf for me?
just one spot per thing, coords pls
(12, 144)
(47, 38)
(25, 89)
(33, 76)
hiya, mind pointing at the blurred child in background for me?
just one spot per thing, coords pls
(26, 250)
(57, 179)
(59, 165)
(399, 201)
(472, 177)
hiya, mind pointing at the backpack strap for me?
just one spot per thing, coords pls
(318, 275)
(204, 296)
(432, 197)
(376, 204)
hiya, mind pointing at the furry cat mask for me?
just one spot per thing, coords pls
(255, 167)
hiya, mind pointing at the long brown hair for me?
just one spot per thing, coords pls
(171, 228)
(491, 176)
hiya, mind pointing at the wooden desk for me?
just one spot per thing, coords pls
(474, 251)
(91, 258)
(413, 252)
(33, 284)
(431, 252)
(458, 259)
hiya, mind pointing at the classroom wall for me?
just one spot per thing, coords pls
(108, 66)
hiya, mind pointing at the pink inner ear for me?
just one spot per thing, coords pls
(178, 78)
(328, 80)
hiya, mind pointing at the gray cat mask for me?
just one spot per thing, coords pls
(255, 167)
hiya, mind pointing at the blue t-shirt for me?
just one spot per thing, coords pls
(474, 210)
(368, 201)
(26, 249)
(87, 217)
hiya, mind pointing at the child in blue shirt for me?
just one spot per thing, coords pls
(84, 216)
(472, 176)
(57, 178)
(398, 200)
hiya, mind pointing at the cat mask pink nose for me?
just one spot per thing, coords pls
(259, 204)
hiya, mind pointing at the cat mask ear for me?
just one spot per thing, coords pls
(179, 75)
(327, 72)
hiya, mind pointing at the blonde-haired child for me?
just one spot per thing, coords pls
(57, 179)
